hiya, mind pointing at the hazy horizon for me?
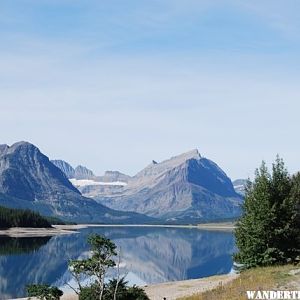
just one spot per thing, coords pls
(113, 85)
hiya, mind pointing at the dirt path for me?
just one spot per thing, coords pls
(294, 283)
(177, 289)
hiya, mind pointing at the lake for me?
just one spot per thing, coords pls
(149, 255)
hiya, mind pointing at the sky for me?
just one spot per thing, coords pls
(113, 84)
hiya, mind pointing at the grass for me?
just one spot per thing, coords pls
(267, 278)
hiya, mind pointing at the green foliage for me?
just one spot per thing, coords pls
(89, 293)
(110, 289)
(103, 252)
(97, 265)
(295, 206)
(44, 292)
(21, 218)
(267, 233)
(137, 293)
(123, 292)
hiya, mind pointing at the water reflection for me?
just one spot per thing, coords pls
(150, 255)
(11, 245)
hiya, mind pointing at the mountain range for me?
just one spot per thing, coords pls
(187, 188)
(29, 180)
(83, 173)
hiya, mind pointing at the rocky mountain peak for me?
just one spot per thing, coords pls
(67, 169)
(28, 179)
(154, 169)
(3, 148)
(186, 187)
(82, 172)
(181, 158)
(22, 145)
(27, 174)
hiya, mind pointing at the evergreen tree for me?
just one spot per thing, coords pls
(267, 232)
(283, 212)
(295, 206)
(21, 218)
(252, 232)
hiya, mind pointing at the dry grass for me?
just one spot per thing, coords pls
(256, 279)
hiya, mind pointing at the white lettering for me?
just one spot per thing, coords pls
(286, 295)
(250, 294)
(259, 295)
(273, 295)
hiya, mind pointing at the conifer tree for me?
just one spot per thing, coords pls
(267, 233)
(252, 232)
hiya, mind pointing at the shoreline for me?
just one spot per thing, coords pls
(173, 290)
(206, 226)
(70, 229)
(19, 232)
(217, 226)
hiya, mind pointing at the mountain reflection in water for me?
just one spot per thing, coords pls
(149, 255)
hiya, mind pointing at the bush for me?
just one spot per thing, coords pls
(89, 293)
(44, 292)
(124, 292)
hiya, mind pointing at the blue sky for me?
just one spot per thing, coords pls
(114, 84)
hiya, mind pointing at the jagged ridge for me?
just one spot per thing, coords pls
(29, 180)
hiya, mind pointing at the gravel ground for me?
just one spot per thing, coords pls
(177, 289)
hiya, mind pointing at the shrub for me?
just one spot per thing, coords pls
(44, 291)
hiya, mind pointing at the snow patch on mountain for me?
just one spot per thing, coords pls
(89, 182)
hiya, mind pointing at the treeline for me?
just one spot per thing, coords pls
(21, 218)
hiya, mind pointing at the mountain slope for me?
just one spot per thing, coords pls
(65, 167)
(29, 180)
(240, 186)
(185, 188)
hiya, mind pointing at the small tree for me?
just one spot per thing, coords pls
(96, 267)
(103, 251)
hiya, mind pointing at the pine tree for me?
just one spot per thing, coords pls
(295, 207)
(268, 232)
(252, 232)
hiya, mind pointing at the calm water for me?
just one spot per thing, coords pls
(149, 255)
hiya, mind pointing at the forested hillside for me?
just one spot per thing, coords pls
(21, 218)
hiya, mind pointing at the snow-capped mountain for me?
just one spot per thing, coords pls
(185, 188)
(29, 180)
